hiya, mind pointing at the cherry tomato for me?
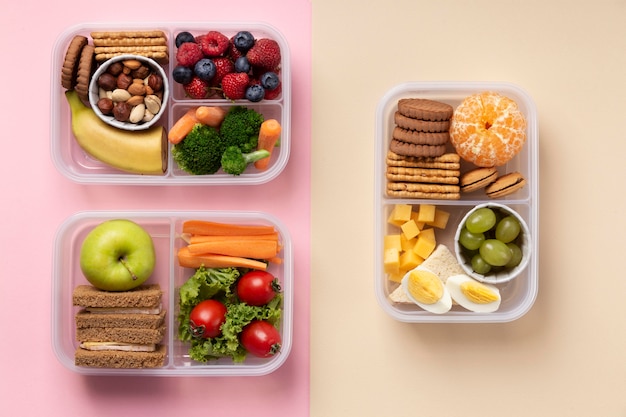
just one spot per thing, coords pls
(206, 319)
(257, 288)
(261, 339)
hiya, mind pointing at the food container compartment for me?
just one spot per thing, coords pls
(517, 295)
(76, 165)
(165, 228)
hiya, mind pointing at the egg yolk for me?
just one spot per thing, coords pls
(425, 287)
(478, 293)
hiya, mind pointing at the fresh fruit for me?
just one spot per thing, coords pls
(182, 75)
(275, 93)
(261, 339)
(139, 152)
(117, 255)
(183, 37)
(188, 54)
(242, 64)
(223, 66)
(243, 40)
(257, 288)
(255, 93)
(469, 240)
(265, 53)
(214, 44)
(197, 88)
(234, 85)
(508, 229)
(270, 80)
(205, 69)
(481, 220)
(494, 252)
(206, 319)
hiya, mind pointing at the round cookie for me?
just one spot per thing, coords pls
(424, 109)
(85, 69)
(70, 62)
(505, 185)
(420, 125)
(478, 178)
(411, 149)
(420, 138)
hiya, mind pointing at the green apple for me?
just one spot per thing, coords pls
(117, 255)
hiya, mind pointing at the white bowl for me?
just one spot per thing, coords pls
(500, 276)
(109, 119)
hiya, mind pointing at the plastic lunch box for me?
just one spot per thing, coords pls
(517, 295)
(164, 227)
(79, 167)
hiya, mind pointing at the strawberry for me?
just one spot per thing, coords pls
(265, 53)
(197, 88)
(234, 85)
(223, 66)
(214, 44)
(272, 94)
(188, 54)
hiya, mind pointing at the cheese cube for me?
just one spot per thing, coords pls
(396, 277)
(410, 229)
(426, 213)
(407, 244)
(402, 212)
(409, 260)
(414, 217)
(391, 261)
(441, 219)
(426, 243)
(393, 241)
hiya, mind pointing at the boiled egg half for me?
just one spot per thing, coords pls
(425, 289)
(473, 295)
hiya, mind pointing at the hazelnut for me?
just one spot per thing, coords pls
(141, 72)
(115, 68)
(155, 82)
(107, 81)
(105, 105)
(121, 111)
(124, 80)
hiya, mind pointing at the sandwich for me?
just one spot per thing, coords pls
(119, 329)
(441, 263)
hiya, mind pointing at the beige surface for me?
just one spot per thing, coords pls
(566, 356)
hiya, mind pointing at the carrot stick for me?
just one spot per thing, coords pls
(269, 134)
(208, 238)
(188, 260)
(254, 249)
(210, 115)
(204, 227)
(275, 260)
(183, 126)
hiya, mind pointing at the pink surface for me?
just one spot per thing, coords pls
(37, 199)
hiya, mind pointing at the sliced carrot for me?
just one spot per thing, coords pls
(188, 260)
(210, 115)
(208, 238)
(269, 134)
(182, 126)
(205, 227)
(254, 249)
(275, 260)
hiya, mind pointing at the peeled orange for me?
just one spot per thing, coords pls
(488, 129)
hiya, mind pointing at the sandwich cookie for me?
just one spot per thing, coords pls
(505, 185)
(477, 178)
(70, 63)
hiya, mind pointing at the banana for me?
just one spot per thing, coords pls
(137, 152)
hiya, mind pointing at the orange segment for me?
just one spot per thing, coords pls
(488, 129)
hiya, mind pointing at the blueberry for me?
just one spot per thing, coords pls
(243, 40)
(255, 93)
(270, 80)
(205, 69)
(183, 37)
(242, 64)
(182, 75)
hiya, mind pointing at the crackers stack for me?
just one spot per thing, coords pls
(148, 43)
(418, 163)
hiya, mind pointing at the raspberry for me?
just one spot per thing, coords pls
(214, 44)
(197, 88)
(234, 85)
(188, 54)
(265, 54)
(223, 66)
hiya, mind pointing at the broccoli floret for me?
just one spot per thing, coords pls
(240, 127)
(234, 161)
(201, 151)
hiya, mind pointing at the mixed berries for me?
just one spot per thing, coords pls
(211, 65)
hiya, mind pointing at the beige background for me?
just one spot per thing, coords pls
(566, 356)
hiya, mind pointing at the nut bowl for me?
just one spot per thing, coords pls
(143, 102)
(523, 240)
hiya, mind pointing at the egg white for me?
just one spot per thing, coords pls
(443, 305)
(453, 285)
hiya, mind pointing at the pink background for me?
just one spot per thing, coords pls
(37, 199)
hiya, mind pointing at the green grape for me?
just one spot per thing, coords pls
(479, 265)
(507, 229)
(516, 255)
(481, 220)
(469, 240)
(495, 253)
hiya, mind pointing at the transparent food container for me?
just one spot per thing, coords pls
(518, 295)
(164, 228)
(78, 166)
